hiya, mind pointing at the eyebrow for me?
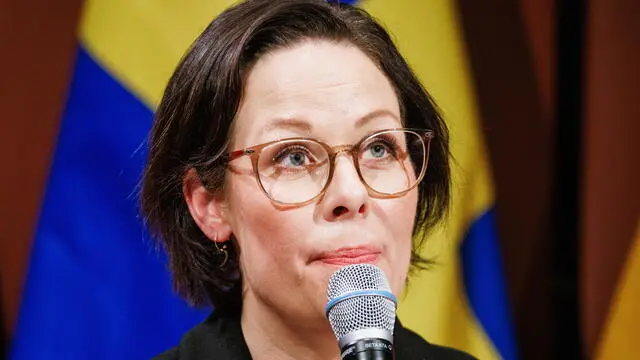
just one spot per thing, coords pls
(375, 115)
(305, 126)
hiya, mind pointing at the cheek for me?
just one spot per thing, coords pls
(268, 238)
(401, 215)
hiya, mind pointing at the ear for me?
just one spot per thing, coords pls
(206, 208)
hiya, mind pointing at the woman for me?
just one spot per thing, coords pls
(291, 140)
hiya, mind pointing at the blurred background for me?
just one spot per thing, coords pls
(550, 86)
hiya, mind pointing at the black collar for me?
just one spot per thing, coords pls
(221, 338)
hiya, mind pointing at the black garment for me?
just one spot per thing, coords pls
(220, 338)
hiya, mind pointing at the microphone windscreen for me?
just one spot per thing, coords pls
(360, 298)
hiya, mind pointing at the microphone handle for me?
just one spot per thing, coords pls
(368, 349)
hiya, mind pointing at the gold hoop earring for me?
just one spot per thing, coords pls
(221, 251)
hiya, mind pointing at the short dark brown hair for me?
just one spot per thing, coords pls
(192, 126)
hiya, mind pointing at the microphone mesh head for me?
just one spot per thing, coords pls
(360, 311)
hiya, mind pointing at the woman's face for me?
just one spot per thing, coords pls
(327, 91)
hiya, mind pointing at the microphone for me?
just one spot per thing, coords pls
(362, 312)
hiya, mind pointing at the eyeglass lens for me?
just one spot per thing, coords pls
(295, 171)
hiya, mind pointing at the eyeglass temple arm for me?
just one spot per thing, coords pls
(236, 154)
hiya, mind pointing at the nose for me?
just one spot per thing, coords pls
(346, 196)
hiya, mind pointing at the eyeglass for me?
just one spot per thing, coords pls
(296, 171)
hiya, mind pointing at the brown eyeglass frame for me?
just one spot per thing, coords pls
(333, 152)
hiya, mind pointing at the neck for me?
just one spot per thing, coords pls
(272, 336)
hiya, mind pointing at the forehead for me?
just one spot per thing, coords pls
(326, 87)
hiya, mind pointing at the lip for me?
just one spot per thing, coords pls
(350, 255)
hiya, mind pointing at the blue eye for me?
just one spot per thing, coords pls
(296, 158)
(378, 150)
(292, 156)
